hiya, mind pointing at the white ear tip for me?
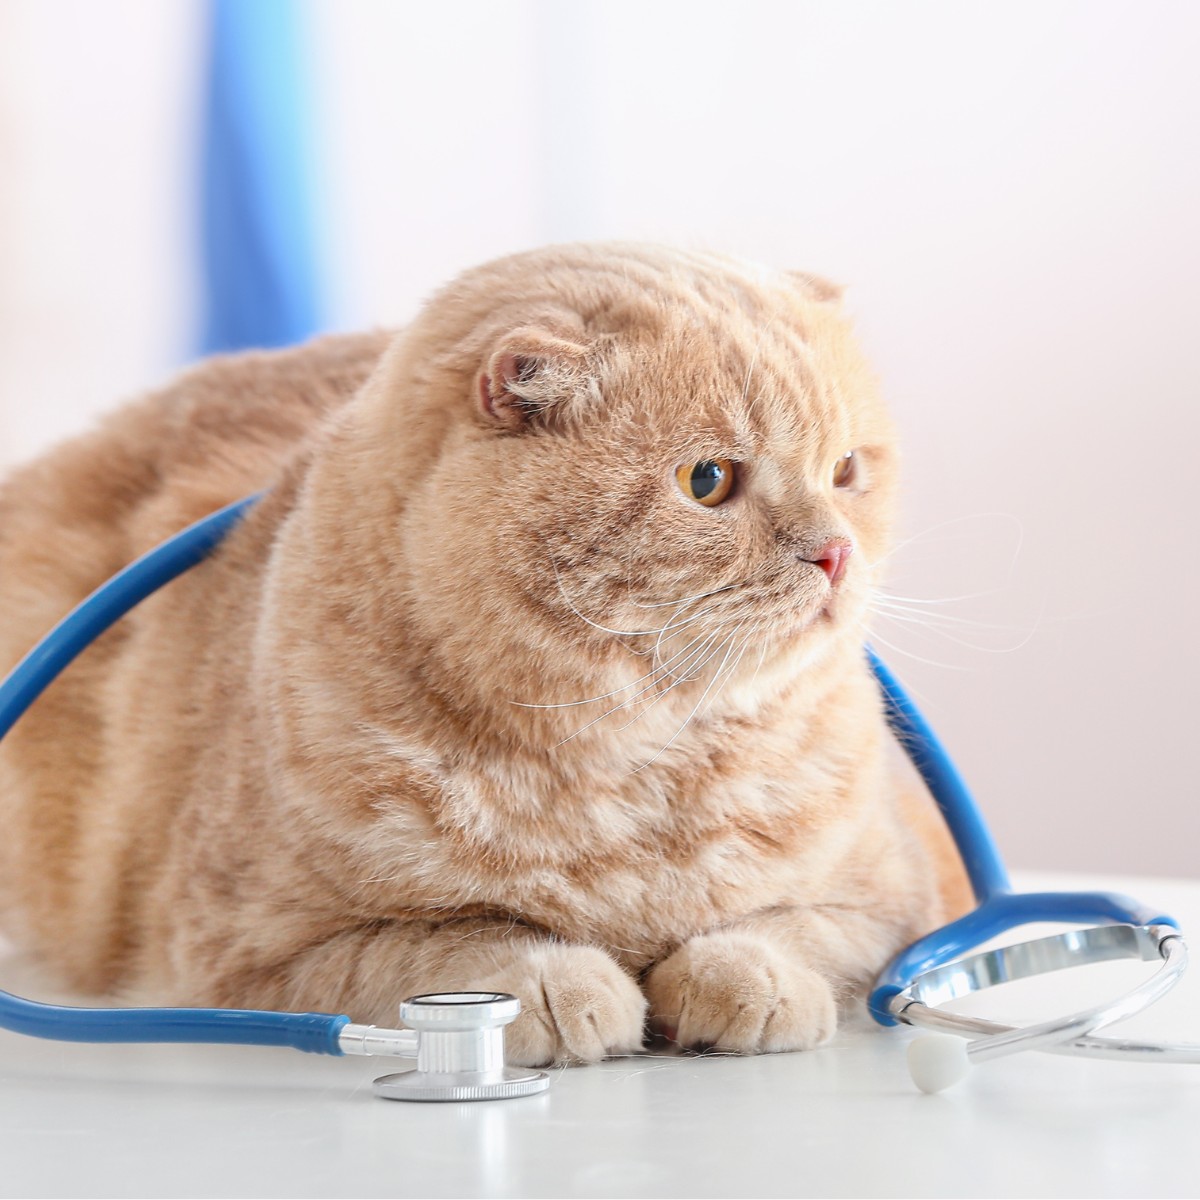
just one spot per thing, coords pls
(937, 1061)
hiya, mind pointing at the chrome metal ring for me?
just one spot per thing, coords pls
(917, 1004)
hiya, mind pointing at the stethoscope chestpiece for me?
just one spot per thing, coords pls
(460, 1050)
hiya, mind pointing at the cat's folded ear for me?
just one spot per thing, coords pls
(529, 374)
(817, 288)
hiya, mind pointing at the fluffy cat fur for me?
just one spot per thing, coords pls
(445, 711)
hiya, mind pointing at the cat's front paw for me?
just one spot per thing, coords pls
(577, 1006)
(734, 992)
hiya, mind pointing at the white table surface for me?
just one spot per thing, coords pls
(841, 1121)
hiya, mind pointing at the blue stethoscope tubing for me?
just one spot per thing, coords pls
(999, 908)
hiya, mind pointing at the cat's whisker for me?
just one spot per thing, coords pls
(626, 703)
(616, 691)
(693, 673)
(588, 620)
(921, 621)
(731, 671)
(922, 613)
(762, 658)
(941, 525)
(687, 720)
(902, 612)
(686, 599)
(876, 636)
(728, 673)
(655, 1062)
(680, 673)
(673, 623)
(674, 626)
(679, 622)
(687, 670)
(934, 620)
(934, 600)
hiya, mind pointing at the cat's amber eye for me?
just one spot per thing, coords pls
(707, 482)
(845, 470)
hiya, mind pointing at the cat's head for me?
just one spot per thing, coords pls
(614, 460)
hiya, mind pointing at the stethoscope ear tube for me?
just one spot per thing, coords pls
(108, 603)
(978, 849)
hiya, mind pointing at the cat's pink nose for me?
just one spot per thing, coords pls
(832, 556)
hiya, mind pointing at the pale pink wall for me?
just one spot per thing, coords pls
(97, 117)
(1009, 187)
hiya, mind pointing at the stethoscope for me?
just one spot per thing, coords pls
(457, 1039)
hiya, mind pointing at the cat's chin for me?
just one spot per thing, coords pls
(803, 640)
(799, 644)
(814, 621)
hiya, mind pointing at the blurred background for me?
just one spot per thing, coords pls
(1010, 189)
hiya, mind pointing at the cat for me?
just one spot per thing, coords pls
(537, 669)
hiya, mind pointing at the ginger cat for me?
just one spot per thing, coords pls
(539, 669)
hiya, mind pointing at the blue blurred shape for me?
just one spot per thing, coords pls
(260, 270)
